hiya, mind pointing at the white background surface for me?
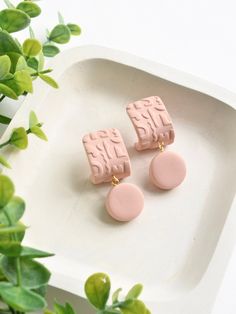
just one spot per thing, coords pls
(194, 36)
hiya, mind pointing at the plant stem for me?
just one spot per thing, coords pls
(115, 305)
(29, 131)
(9, 141)
(2, 97)
(5, 143)
(4, 119)
(12, 310)
(18, 270)
(41, 72)
(5, 311)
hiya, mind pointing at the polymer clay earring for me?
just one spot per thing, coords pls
(109, 162)
(155, 130)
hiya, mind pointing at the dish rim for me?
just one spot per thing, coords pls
(217, 266)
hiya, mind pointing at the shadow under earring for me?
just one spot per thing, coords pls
(109, 162)
(155, 130)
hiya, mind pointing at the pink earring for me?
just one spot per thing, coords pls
(155, 130)
(109, 162)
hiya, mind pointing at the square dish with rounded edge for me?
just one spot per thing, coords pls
(179, 247)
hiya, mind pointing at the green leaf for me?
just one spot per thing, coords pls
(13, 20)
(39, 132)
(21, 82)
(59, 308)
(47, 32)
(4, 284)
(19, 228)
(134, 292)
(21, 64)
(115, 295)
(7, 91)
(8, 44)
(10, 248)
(22, 299)
(41, 290)
(41, 61)
(4, 162)
(34, 253)
(14, 59)
(24, 80)
(4, 119)
(74, 29)
(33, 120)
(1, 277)
(31, 31)
(12, 84)
(15, 209)
(30, 8)
(19, 138)
(9, 4)
(33, 274)
(50, 50)
(47, 311)
(20, 234)
(63, 309)
(69, 309)
(49, 80)
(5, 65)
(97, 289)
(60, 18)
(18, 43)
(135, 307)
(60, 34)
(33, 63)
(7, 77)
(31, 47)
(6, 190)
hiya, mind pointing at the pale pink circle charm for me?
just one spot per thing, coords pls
(124, 202)
(167, 170)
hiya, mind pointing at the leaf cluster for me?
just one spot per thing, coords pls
(19, 136)
(23, 280)
(60, 34)
(97, 289)
(22, 63)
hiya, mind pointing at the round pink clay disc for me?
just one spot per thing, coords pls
(167, 170)
(124, 202)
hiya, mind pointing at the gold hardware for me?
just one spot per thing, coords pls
(115, 181)
(161, 146)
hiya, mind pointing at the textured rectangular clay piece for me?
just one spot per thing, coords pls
(107, 155)
(152, 123)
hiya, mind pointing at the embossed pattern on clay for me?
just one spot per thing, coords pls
(152, 123)
(107, 155)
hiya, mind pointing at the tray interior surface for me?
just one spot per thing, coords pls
(168, 248)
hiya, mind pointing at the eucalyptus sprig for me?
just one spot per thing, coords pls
(23, 280)
(97, 289)
(19, 136)
(22, 63)
(60, 34)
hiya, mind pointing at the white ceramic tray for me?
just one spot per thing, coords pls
(179, 247)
